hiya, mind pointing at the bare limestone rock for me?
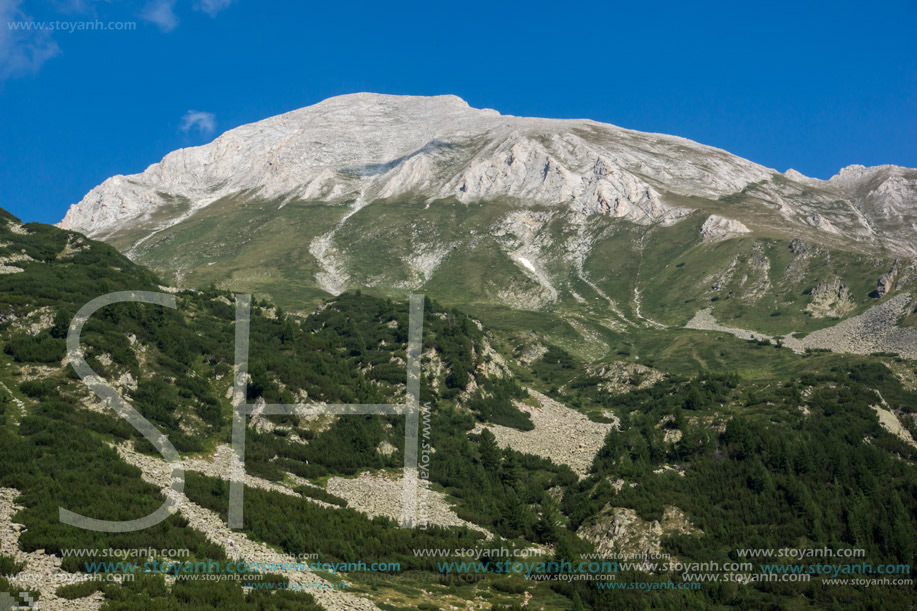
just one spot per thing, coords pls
(717, 228)
(887, 280)
(368, 146)
(237, 544)
(379, 494)
(561, 434)
(40, 571)
(620, 377)
(831, 299)
(619, 531)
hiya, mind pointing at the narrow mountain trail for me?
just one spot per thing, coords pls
(638, 299)
(133, 251)
(704, 320)
(581, 248)
(875, 330)
(638, 302)
(612, 304)
(17, 401)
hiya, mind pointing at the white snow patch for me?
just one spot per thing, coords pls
(527, 264)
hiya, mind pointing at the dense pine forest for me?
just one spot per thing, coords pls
(795, 460)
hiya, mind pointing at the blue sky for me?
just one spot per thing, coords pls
(812, 86)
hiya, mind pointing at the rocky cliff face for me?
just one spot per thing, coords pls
(364, 147)
(831, 299)
(622, 228)
(887, 196)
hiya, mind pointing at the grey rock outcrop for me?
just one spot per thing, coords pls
(831, 299)
(717, 228)
(887, 280)
(620, 532)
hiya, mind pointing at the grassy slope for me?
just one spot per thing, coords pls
(252, 245)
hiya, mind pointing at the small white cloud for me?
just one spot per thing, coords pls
(23, 48)
(161, 13)
(204, 122)
(211, 7)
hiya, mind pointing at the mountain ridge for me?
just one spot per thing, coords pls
(446, 115)
(366, 146)
(589, 223)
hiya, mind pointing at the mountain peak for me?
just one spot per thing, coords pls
(365, 146)
(362, 147)
(368, 97)
(856, 171)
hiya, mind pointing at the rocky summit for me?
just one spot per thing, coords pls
(596, 227)
(364, 147)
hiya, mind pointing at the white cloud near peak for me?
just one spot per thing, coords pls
(204, 123)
